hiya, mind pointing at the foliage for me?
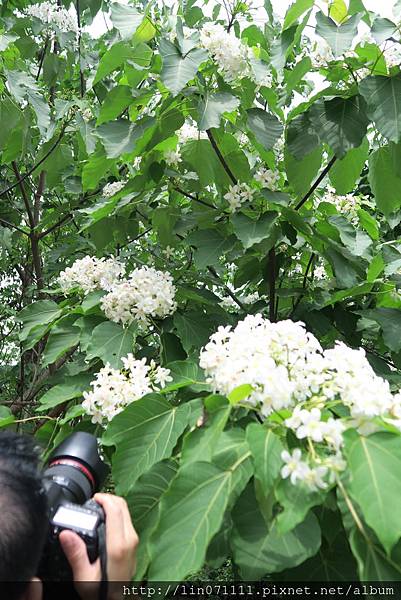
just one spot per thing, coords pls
(197, 150)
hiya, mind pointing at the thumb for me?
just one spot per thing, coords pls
(75, 550)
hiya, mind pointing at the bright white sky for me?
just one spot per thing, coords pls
(382, 7)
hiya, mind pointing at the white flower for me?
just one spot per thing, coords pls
(238, 194)
(295, 468)
(87, 114)
(53, 15)
(267, 178)
(335, 464)
(311, 425)
(147, 293)
(172, 157)
(90, 273)
(113, 389)
(111, 189)
(314, 478)
(319, 272)
(189, 131)
(321, 54)
(332, 432)
(393, 56)
(229, 53)
(347, 205)
(286, 366)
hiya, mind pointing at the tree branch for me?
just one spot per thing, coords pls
(316, 183)
(41, 161)
(194, 198)
(12, 226)
(38, 196)
(227, 289)
(20, 183)
(81, 75)
(221, 157)
(272, 284)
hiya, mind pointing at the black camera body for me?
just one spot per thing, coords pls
(73, 474)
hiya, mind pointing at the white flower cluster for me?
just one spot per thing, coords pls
(267, 178)
(189, 131)
(393, 56)
(113, 389)
(91, 273)
(231, 306)
(313, 476)
(230, 54)
(146, 293)
(238, 194)
(347, 205)
(321, 54)
(172, 157)
(51, 14)
(111, 189)
(287, 369)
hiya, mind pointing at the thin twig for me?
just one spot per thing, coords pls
(227, 289)
(318, 180)
(194, 198)
(20, 184)
(272, 284)
(41, 161)
(221, 157)
(42, 58)
(12, 226)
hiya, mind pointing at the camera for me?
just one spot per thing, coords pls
(74, 472)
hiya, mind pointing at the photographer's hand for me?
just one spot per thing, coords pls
(121, 543)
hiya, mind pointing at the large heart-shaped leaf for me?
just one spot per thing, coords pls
(383, 97)
(144, 433)
(178, 69)
(374, 463)
(266, 127)
(126, 19)
(110, 342)
(339, 37)
(191, 512)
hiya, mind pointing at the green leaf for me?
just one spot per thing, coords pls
(338, 10)
(383, 97)
(389, 320)
(240, 393)
(384, 181)
(110, 342)
(186, 373)
(191, 513)
(6, 39)
(112, 60)
(232, 454)
(251, 231)
(281, 47)
(213, 106)
(382, 29)
(144, 506)
(301, 173)
(296, 10)
(6, 416)
(95, 169)
(120, 137)
(339, 37)
(178, 69)
(144, 433)
(42, 312)
(296, 501)
(266, 127)
(199, 445)
(373, 563)
(204, 161)
(373, 466)
(344, 271)
(114, 104)
(71, 388)
(126, 19)
(193, 329)
(266, 448)
(210, 246)
(63, 336)
(258, 550)
(345, 172)
(302, 138)
(340, 122)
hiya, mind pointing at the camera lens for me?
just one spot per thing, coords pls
(76, 468)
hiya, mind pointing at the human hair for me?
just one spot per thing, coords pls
(23, 512)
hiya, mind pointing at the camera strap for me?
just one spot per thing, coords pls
(104, 584)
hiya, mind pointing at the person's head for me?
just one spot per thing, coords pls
(23, 515)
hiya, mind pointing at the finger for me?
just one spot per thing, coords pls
(115, 530)
(74, 549)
